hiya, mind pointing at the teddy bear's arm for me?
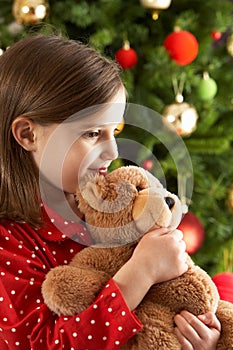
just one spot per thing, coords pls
(193, 291)
(69, 290)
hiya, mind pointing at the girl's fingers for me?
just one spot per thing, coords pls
(199, 326)
(186, 345)
(210, 320)
(197, 332)
(187, 324)
(177, 233)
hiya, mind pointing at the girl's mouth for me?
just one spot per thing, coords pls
(103, 171)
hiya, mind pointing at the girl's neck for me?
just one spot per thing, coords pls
(62, 203)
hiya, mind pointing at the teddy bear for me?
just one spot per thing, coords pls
(119, 209)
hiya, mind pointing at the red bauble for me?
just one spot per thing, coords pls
(182, 47)
(148, 164)
(126, 56)
(216, 35)
(193, 231)
(224, 284)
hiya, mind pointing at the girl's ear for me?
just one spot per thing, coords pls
(23, 131)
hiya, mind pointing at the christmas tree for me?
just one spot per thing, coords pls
(157, 78)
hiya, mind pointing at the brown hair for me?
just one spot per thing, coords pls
(47, 79)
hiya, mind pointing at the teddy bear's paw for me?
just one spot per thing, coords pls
(225, 316)
(68, 290)
(158, 330)
(193, 291)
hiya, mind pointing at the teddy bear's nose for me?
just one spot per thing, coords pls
(170, 202)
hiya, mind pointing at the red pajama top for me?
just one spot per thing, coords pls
(26, 323)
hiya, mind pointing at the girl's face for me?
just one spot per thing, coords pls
(67, 152)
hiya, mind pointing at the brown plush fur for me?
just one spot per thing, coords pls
(119, 208)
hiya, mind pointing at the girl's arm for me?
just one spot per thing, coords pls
(27, 323)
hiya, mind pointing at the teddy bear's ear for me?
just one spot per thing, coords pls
(92, 195)
(109, 197)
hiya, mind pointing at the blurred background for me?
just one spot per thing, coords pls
(177, 59)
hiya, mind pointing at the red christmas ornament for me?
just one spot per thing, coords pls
(193, 231)
(216, 35)
(126, 56)
(182, 47)
(148, 164)
(224, 284)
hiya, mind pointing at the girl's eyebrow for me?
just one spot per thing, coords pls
(99, 126)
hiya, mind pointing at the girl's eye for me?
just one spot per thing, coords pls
(92, 134)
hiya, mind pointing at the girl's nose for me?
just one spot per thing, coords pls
(110, 150)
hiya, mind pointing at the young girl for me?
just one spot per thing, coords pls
(43, 81)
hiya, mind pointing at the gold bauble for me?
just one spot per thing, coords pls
(182, 116)
(119, 127)
(29, 12)
(155, 6)
(230, 44)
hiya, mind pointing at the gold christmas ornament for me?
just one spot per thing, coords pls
(119, 127)
(182, 116)
(230, 44)
(29, 12)
(156, 6)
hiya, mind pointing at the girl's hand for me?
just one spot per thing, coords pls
(159, 256)
(197, 333)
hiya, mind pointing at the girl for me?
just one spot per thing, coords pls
(43, 81)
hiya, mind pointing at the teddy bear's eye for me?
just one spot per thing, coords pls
(138, 188)
(170, 202)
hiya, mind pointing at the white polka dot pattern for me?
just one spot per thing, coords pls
(26, 255)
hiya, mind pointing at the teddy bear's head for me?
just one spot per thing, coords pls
(123, 205)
